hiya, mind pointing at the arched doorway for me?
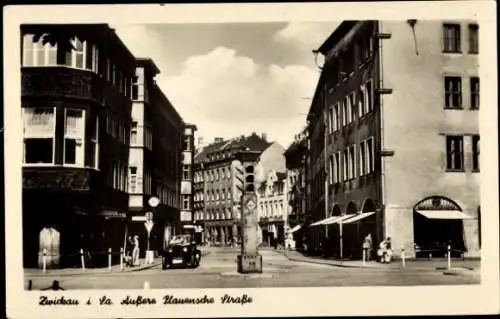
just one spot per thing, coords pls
(437, 223)
(333, 243)
(350, 233)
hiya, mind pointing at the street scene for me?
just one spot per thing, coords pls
(218, 270)
(184, 156)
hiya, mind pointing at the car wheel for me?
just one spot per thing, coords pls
(164, 263)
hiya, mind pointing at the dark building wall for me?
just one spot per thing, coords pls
(72, 199)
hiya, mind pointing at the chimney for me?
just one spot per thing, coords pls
(264, 136)
(218, 140)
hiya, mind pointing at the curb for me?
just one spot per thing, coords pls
(320, 262)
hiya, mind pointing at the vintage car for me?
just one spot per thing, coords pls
(181, 251)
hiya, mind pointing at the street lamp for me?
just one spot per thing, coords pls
(153, 202)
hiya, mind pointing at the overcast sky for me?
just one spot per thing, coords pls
(232, 79)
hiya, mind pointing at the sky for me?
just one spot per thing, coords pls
(231, 79)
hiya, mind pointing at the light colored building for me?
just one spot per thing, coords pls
(272, 208)
(400, 100)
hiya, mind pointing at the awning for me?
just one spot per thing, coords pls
(294, 229)
(339, 219)
(444, 214)
(323, 221)
(358, 217)
(331, 220)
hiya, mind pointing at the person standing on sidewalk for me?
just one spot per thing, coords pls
(135, 251)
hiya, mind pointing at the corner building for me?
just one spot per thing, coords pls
(76, 113)
(400, 100)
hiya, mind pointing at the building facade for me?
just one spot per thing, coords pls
(295, 156)
(402, 147)
(272, 207)
(220, 175)
(156, 137)
(187, 180)
(76, 113)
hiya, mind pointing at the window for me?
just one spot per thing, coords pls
(113, 73)
(185, 202)
(108, 70)
(474, 93)
(39, 135)
(186, 172)
(37, 54)
(451, 34)
(187, 143)
(353, 109)
(74, 135)
(345, 175)
(370, 151)
(330, 169)
(94, 146)
(336, 174)
(336, 117)
(454, 153)
(133, 179)
(352, 162)
(362, 158)
(475, 153)
(346, 112)
(473, 38)
(453, 92)
(330, 119)
(133, 133)
(361, 101)
(369, 97)
(135, 88)
(114, 169)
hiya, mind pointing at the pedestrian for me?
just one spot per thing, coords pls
(128, 251)
(135, 251)
(368, 246)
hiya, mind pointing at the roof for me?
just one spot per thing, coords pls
(149, 64)
(253, 143)
(336, 35)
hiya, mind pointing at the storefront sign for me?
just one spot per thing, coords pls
(112, 214)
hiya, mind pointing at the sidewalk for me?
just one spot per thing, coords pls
(35, 272)
(436, 264)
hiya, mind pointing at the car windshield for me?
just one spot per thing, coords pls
(180, 240)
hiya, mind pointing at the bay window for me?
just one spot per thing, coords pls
(36, 54)
(39, 135)
(74, 135)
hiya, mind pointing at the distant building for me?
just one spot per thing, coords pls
(295, 156)
(76, 113)
(272, 207)
(218, 184)
(403, 146)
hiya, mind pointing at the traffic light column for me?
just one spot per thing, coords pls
(249, 261)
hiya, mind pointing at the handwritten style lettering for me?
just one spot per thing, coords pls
(171, 300)
(57, 301)
(235, 300)
(138, 301)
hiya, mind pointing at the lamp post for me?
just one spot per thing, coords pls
(149, 223)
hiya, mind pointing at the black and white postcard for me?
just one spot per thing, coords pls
(235, 160)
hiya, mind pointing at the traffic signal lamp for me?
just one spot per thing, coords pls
(249, 178)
